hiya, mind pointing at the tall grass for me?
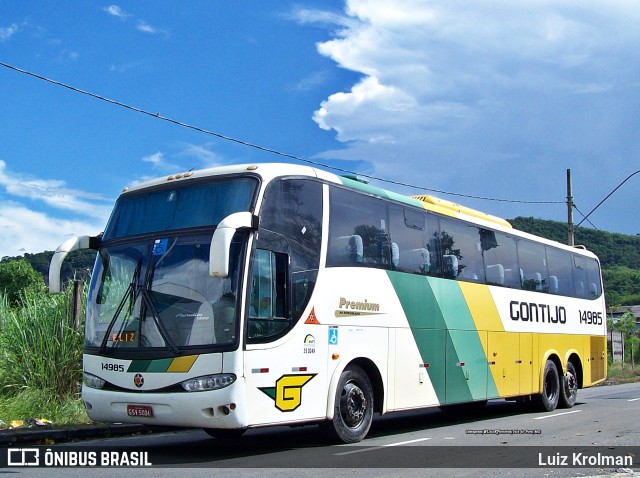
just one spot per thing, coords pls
(33, 403)
(39, 348)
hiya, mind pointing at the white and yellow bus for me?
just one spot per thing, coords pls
(272, 294)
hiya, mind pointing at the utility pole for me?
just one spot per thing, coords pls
(570, 230)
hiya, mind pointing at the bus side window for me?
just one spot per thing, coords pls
(462, 251)
(267, 308)
(560, 271)
(533, 266)
(593, 276)
(580, 277)
(291, 225)
(358, 233)
(500, 259)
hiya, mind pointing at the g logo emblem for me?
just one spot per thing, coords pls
(287, 393)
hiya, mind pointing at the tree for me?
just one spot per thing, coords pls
(627, 325)
(18, 277)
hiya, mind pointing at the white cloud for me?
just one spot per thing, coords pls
(8, 32)
(116, 11)
(485, 93)
(203, 154)
(312, 81)
(145, 27)
(159, 161)
(24, 230)
(141, 25)
(55, 194)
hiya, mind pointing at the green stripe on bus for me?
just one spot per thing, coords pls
(374, 191)
(160, 365)
(150, 366)
(446, 337)
(139, 366)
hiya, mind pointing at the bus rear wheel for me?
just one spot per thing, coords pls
(569, 391)
(547, 401)
(353, 409)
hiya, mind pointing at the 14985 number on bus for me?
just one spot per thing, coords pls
(590, 318)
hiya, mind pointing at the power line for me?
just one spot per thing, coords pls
(585, 218)
(262, 148)
(607, 197)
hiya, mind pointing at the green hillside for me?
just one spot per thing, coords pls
(618, 253)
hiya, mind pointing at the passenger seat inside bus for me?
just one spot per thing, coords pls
(495, 274)
(553, 284)
(415, 261)
(450, 266)
(347, 250)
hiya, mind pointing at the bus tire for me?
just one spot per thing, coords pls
(225, 433)
(547, 401)
(353, 409)
(569, 391)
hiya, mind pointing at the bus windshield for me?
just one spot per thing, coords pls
(185, 205)
(150, 287)
(157, 294)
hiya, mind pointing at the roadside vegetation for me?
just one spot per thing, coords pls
(40, 351)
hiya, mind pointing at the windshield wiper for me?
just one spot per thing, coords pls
(156, 318)
(127, 294)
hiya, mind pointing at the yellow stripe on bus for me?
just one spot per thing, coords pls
(482, 307)
(182, 364)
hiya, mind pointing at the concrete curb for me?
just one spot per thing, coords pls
(52, 435)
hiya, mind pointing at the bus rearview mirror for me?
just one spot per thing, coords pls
(221, 241)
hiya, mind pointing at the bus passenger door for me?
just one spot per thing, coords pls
(284, 359)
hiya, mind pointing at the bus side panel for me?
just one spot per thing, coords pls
(509, 354)
(440, 320)
(505, 362)
(466, 367)
(409, 378)
(562, 346)
(527, 379)
(597, 359)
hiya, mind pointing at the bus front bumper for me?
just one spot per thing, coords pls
(223, 409)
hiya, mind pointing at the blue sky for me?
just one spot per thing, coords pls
(493, 99)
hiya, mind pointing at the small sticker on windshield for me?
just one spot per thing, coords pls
(160, 246)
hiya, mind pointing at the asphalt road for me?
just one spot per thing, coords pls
(499, 440)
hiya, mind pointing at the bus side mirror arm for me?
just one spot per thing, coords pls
(73, 244)
(221, 241)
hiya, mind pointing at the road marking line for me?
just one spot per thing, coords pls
(634, 399)
(373, 448)
(557, 415)
(407, 442)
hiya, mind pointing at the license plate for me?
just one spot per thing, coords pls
(139, 411)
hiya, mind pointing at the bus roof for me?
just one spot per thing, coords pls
(268, 171)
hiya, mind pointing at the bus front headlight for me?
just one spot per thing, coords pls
(208, 382)
(92, 381)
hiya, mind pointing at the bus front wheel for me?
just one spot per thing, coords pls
(547, 401)
(353, 409)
